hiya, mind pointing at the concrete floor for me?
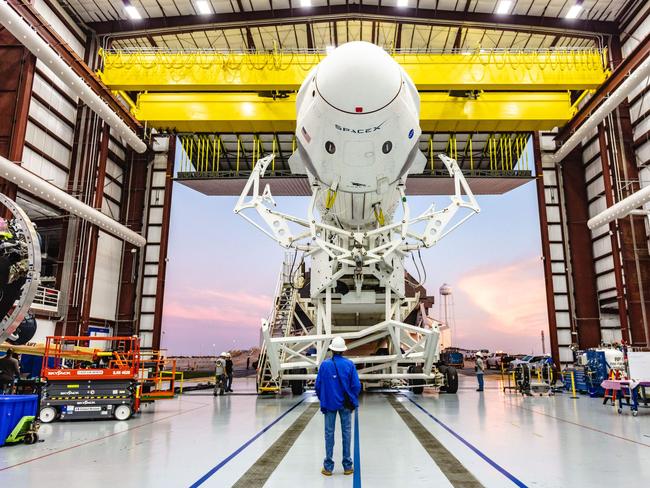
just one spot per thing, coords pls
(501, 439)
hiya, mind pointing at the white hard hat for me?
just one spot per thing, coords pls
(224, 354)
(338, 344)
(479, 354)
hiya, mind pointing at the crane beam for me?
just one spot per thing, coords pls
(439, 112)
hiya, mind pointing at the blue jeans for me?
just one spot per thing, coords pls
(346, 431)
(479, 377)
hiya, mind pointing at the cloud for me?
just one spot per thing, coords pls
(214, 305)
(512, 298)
(500, 307)
(214, 313)
(262, 301)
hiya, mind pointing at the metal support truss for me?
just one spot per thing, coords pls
(421, 343)
(354, 256)
(368, 248)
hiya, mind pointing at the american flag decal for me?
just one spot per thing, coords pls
(306, 134)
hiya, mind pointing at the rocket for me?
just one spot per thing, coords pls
(357, 135)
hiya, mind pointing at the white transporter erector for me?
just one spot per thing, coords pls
(357, 141)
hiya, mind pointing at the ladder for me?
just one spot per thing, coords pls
(282, 324)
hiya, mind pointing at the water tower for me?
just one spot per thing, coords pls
(447, 301)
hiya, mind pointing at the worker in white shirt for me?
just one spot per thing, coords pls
(480, 369)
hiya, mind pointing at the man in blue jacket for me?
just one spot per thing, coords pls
(337, 387)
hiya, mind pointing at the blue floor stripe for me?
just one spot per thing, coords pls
(475, 449)
(207, 475)
(357, 452)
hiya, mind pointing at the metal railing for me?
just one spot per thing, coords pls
(46, 300)
(204, 155)
(558, 58)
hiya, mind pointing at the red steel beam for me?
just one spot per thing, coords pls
(16, 80)
(76, 232)
(622, 68)
(546, 249)
(164, 243)
(586, 308)
(83, 167)
(523, 23)
(45, 30)
(134, 194)
(613, 231)
(100, 179)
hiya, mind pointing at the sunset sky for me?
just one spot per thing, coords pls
(222, 273)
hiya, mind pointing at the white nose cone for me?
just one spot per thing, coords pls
(372, 78)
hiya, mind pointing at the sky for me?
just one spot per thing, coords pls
(222, 273)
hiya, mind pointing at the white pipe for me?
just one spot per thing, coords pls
(621, 209)
(613, 100)
(22, 31)
(31, 183)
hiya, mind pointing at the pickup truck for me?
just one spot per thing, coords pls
(495, 360)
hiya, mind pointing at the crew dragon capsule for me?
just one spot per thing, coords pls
(357, 133)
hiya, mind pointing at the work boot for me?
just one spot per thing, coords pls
(479, 389)
(348, 471)
(326, 472)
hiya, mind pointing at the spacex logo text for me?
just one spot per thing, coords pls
(369, 130)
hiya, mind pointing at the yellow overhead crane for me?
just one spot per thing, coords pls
(480, 90)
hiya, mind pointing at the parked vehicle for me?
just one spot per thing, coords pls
(524, 360)
(451, 356)
(495, 360)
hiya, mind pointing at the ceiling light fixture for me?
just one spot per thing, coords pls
(402, 3)
(574, 11)
(132, 12)
(203, 6)
(504, 7)
(248, 109)
(305, 3)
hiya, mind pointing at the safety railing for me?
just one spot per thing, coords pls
(587, 58)
(159, 375)
(46, 300)
(505, 153)
(205, 156)
(205, 153)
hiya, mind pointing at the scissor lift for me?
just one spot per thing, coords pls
(91, 383)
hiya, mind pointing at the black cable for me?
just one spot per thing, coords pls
(293, 263)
